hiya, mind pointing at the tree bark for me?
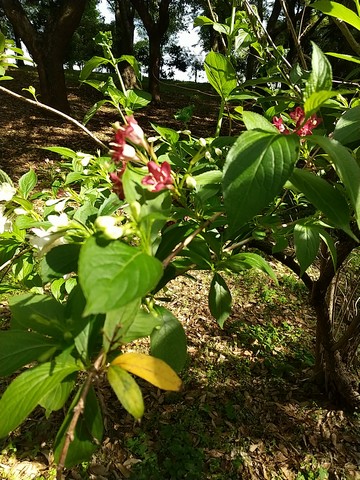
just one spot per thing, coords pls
(124, 39)
(156, 29)
(48, 48)
(332, 366)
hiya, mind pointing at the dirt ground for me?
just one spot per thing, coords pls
(25, 129)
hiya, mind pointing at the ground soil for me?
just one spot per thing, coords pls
(25, 128)
(248, 408)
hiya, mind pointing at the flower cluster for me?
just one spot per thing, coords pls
(131, 131)
(302, 127)
(159, 177)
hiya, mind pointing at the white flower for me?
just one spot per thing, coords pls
(44, 241)
(85, 158)
(190, 182)
(107, 225)
(202, 142)
(59, 203)
(20, 211)
(5, 222)
(7, 192)
(58, 221)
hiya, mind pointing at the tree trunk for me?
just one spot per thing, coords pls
(154, 66)
(332, 367)
(124, 39)
(156, 27)
(19, 63)
(52, 81)
(48, 47)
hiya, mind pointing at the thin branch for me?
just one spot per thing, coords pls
(347, 34)
(189, 239)
(294, 35)
(270, 40)
(78, 410)
(57, 112)
(215, 20)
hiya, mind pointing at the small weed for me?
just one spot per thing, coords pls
(313, 474)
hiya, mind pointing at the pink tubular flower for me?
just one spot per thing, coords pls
(160, 176)
(279, 124)
(298, 115)
(302, 128)
(309, 126)
(134, 132)
(116, 179)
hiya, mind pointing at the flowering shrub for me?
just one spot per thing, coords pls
(302, 127)
(93, 254)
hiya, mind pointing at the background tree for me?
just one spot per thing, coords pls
(83, 46)
(46, 29)
(123, 37)
(155, 17)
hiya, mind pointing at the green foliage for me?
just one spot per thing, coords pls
(256, 168)
(93, 257)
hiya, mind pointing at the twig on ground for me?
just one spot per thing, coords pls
(57, 112)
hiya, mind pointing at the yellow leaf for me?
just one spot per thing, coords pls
(127, 390)
(149, 368)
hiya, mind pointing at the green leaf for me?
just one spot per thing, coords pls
(126, 390)
(137, 99)
(63, 151)
(2, 42)
(220, 73)
(57, 397)
(27, 182)
(342, 56)
(168, 134)
(19, 347)
(91, 112)
(40, 313)
(131, 60)
(256, 168)
(201, 20)
(346, 167)
(27, 390)
(324, 196)
(117, 323)
(90, 65)
(169, 341)
(329, 242)
(219, 299)
(316, 100)
(60, 261)
(116, 95)
(321, 73)
(338, 11)
(110, 205)
(143, 325)
(4, 177)
(347, 129)
(254, 121)
(244, 261)
(114, 274)
(88, 431)
(88, 341)
(307, 243)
